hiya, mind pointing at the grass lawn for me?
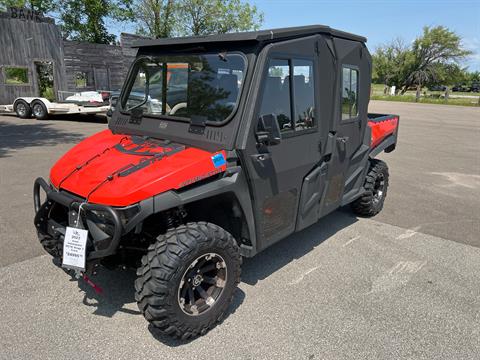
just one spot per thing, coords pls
(428, 97)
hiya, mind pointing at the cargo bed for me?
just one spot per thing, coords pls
(384, 132)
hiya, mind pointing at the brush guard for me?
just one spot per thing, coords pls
(51, 231)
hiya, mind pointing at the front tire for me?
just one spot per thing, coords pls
(375, 186)
(188, 278)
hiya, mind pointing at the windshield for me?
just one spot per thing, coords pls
(185, 86)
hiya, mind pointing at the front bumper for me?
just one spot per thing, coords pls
(51, 230)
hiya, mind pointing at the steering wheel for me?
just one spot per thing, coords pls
(177, 107)
(154, 106)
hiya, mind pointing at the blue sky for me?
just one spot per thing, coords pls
(380, 20)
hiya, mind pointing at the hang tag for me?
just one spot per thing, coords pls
(75, 248)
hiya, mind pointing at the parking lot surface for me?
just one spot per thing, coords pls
(404, 284)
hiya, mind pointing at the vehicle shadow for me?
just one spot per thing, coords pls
(18, 136)
(118, 288)
(295, 246)
(117, 291)
(277, 256)
(86, 118)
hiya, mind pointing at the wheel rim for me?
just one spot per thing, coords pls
(21, 109)
(202, 284)
(37, 110)
(379, 188)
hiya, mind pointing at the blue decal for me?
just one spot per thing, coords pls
(218, 160)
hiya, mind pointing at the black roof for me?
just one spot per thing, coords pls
(253, 36)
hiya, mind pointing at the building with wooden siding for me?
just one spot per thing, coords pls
(32, 53)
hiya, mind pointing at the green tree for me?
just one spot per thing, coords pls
(432, 58)
(44, 6)
(203, 17)
(276, 71)
(155, 18)
(166, 18)
(433, 52)
(390, 64)
(85, 20)
(473, 76)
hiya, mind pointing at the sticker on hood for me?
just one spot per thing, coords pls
(218, 160)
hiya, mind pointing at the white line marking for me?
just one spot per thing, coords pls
(408, 233)
(301, 277)
(469, 181)
(400, 274)
(351, 240)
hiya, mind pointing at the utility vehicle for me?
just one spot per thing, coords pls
(271, 135)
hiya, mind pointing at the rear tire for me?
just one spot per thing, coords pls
(22, 109)
(176, 291)
(376, 184)
(39, 110)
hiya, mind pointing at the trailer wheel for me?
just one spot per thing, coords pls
(22, 109)
(39, 110)
(376, 184)
(188, 278)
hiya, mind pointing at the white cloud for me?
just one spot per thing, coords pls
(473, 44)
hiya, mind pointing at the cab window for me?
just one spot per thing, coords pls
(303, 89)
(289, 98)
(349, 93)
(276, 93)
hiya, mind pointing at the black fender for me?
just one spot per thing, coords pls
(233, 182)
(388, 145)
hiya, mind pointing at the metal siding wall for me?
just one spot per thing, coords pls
(129, 53)
(21, 43)
(87, 57)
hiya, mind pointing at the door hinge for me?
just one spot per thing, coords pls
(197, 124)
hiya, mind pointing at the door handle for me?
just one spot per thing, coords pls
(261, 157)
(342, 141)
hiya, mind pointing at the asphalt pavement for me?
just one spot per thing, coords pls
(402, 285)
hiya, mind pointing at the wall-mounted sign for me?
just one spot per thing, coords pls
(28, 15)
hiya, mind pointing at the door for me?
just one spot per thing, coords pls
(350, 148)
(44, 71)
(101, 79)
(277, 172)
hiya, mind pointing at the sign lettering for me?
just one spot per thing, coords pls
(27, 15)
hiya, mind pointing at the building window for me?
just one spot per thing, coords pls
(83, 79)
(16, 75)
(349, 93)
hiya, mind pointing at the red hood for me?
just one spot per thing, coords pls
(119, 170)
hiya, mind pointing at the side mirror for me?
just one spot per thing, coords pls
(268, 131)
